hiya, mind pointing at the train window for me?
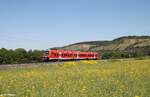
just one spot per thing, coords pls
(46, 53)
(80, 55)
(52, 53)
(55, 54)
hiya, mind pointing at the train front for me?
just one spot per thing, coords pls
(45, 56)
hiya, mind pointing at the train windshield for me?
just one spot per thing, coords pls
(46, 53)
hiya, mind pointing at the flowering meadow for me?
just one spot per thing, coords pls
(114, 78)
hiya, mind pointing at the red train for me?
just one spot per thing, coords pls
(52, 55)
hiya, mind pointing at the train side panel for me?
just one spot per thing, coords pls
(69, 55)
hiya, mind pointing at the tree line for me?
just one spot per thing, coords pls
(19, 55)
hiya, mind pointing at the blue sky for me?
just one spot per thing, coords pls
(41, 24)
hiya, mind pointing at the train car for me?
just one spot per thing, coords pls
(52, 55)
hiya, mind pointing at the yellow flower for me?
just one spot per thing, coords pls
(136, 96)
(2, 96)
(33, 87)
(84, 88)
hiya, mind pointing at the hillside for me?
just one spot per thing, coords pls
(122, 43)
(131, 44)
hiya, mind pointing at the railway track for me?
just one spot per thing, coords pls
(27, 65)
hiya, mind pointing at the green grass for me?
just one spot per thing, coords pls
(82, 79)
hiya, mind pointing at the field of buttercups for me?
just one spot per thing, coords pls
(114, 78)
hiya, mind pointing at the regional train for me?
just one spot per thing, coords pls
(54, 55)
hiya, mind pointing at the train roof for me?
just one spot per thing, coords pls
(71, 51)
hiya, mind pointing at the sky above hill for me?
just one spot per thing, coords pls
(42, 24)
